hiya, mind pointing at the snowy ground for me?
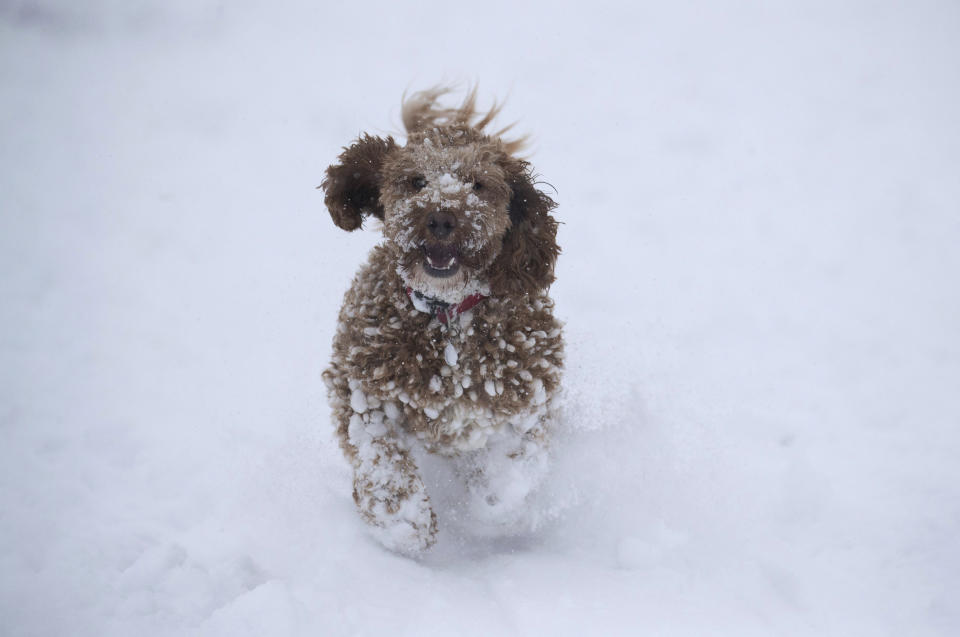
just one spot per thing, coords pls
(762, 213)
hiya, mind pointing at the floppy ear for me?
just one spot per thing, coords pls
(352, 186)
(529, 252)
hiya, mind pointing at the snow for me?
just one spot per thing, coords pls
(358, 401)
(760, 219)
(450, 354)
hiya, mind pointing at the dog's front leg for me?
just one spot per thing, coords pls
(503, 476)
(387, 486)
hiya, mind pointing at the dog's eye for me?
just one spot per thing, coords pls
(418, 182)
(477, 185)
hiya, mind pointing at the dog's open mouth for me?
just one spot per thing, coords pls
(440, 260)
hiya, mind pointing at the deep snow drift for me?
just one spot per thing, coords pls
(759, 282)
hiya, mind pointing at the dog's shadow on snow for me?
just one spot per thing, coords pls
(454, 549)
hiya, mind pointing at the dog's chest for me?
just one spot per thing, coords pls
(455, 385)
(479, 384)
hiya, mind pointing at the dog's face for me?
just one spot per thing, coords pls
(459, 213)
(446, 198)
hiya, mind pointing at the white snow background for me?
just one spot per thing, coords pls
(761, 208)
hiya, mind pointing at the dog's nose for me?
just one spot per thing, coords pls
(441, 224)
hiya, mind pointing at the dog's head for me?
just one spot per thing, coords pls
(460, 212)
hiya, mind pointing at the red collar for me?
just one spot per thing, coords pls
(443, 311)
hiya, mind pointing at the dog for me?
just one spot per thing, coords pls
(446, 341)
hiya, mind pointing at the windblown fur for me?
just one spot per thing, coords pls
(462, 219)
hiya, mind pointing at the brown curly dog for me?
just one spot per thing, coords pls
(446, 339)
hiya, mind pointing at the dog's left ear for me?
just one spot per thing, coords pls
(352, 186)
(526, 261)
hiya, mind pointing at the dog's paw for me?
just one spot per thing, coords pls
(397, 507)
(406, 524)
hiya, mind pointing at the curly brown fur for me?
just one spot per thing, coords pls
(461, 216)
(353, 185)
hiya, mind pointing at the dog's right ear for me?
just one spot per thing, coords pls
(352, 186)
